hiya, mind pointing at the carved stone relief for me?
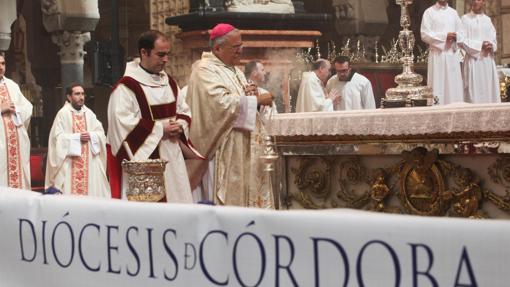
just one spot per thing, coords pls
(420, 183)
(260, 6)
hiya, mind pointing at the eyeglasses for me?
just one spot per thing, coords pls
(343, 71)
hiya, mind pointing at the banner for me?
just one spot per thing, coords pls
(79, 241)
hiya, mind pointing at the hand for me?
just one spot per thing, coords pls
(85, 137)
(335, 96)
(451, 37)
(171, 129)
(251, 90)
(7, 108)
(265, 99)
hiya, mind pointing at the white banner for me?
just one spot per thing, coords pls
(77, 241)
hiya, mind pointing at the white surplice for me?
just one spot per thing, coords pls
(312, 95)
(124, 115)
(444, 71)
(481, 81)
(357, 93)
(65, 151)
(15, 149)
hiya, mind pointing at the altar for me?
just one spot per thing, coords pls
(448, 160)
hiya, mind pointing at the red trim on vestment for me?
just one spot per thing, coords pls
(163, 111)
(184, 117)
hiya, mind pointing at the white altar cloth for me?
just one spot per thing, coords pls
(81, 241)
(398, 121)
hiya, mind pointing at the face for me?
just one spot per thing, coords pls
(155, 60)
(343, 71)
(77, 97)
(442, 2)
(477, 5)
(2, 66)
(229, 52)
(324, 72)
(259, 74)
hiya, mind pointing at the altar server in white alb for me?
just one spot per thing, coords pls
(481, 81)
(14, 143)
(149, 119)
(312, 96)
(76, 161)
(355, 89)
(441, 29)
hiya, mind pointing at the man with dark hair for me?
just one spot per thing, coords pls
(14, 142)
(256, 74)
(312, 95)
(481, 81)
(229, 127)
(441, 29)
(355, 89)
(148, 119)
(77, 149)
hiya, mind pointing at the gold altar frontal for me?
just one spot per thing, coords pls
(433, 161)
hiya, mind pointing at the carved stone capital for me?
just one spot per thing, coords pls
(71, 46)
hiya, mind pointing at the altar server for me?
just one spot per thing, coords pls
(481, 81)
(312, 96)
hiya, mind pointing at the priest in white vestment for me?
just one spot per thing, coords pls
(227, 128)
(255, 73)
(76, 162)
(14, 142)
(312, 96)
(441, 29)
(148, 119)
(481, 81)
(355, 89)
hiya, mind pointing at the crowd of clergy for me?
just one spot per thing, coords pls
(210, 131)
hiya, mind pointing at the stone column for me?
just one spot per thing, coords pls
(71, 55)
(69, 22)
(7, 16)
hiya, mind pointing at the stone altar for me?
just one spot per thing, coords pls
(448, 160)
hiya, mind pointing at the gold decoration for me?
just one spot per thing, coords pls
(422, 189)
(146, 180)
(423, 183)
(504, 85)
(379, 191)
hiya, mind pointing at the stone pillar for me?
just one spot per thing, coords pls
(69, 22)
(71, 55)
(7, 16)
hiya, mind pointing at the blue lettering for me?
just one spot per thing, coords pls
(151, 261)
(133, 251)
(32, 229)
(263, 258)
(425, 273)
(187, 255)
(54, 239)
(464, 259)
(394, 257)
(201, 256)
(279, 265)
(80, 249)
(316, 253)
(172, 255)
(110, 247)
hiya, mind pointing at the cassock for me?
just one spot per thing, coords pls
(14, 141)
(481, 81)
(138, 106)
(312, 95)
(227, 129)
(443, 73)
(76, 167)
(356, 92)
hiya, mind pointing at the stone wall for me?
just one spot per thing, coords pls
(179, 64)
